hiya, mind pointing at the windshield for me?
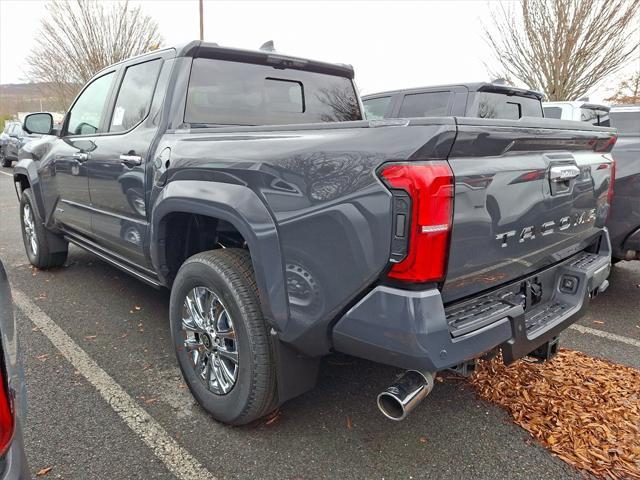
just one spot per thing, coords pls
(503, 106)
(594, 116)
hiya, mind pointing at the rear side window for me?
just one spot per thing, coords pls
(232, 93)
(627, 123)
(375, 108)
(502, 106)
(553, 112)
(135, 94)
(431, 104)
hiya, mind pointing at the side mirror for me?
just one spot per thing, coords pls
(40, 123)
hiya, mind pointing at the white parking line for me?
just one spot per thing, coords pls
(7, 174)
(610, 336)
(177, 459)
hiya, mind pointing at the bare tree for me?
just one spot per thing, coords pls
(77, 38)
(564, 48)
(628, 92)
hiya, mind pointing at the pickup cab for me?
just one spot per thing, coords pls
(482, 100)
(287, 227)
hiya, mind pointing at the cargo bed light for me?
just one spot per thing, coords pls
(430, 189)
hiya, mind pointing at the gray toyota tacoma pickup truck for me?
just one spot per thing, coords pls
(287, 227)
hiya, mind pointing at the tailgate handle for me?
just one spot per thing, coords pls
(563, 173)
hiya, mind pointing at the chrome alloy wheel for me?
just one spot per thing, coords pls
(30, 228)
(210, 340)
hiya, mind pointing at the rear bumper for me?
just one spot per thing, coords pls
(414, 330)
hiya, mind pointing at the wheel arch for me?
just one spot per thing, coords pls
(25, 175)
(240, 207)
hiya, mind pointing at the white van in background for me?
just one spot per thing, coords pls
(582, 111)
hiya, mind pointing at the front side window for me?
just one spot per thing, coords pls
(375, 108)
(85, 115)
(232, 93)
(430, 104)
(135, 95)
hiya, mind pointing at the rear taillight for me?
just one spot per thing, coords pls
(605, 144)
(429, 187)
(6, 419)
(612, 182)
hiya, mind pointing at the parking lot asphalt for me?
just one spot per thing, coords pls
(78, 426)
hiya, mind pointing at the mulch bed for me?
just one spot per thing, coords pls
(585, 410)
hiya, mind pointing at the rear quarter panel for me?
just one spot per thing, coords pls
(331, 212)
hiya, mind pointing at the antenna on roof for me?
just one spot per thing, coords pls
(268, 46)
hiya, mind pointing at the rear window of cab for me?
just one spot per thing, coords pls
(224, 92)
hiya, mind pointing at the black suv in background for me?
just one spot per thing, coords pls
(624, 222)
(483, 100)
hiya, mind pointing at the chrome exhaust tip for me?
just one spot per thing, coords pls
(400, 398)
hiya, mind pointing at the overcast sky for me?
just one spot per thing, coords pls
(391, 44)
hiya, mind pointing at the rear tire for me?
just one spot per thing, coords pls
(215, 316)
(36, 237)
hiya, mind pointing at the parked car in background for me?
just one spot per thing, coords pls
(624, 221)
(13, 461)
(14, 138)
(592, 113)
(287, 227)
(482, 100)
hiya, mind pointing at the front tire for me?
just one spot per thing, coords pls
(3, 159)
(35, 236)
(222, 341)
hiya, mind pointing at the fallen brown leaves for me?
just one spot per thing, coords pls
(585, 410)
(43, 471)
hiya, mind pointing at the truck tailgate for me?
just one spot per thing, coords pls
(526, 197)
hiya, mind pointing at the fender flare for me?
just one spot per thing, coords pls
(28, 168)
(242, 208)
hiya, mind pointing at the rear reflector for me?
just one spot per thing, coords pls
(430, 189)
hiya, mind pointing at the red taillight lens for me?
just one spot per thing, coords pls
(6, 419)
(606, 144)
(430, 187)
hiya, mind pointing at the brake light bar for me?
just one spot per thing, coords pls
(429, 186)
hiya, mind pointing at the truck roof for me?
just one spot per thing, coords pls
(578, 104)
(625, 108)
(199, 49)
(471, 87)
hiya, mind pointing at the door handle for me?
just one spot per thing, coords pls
(81, 157)
(563, 173)
(131, 160)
